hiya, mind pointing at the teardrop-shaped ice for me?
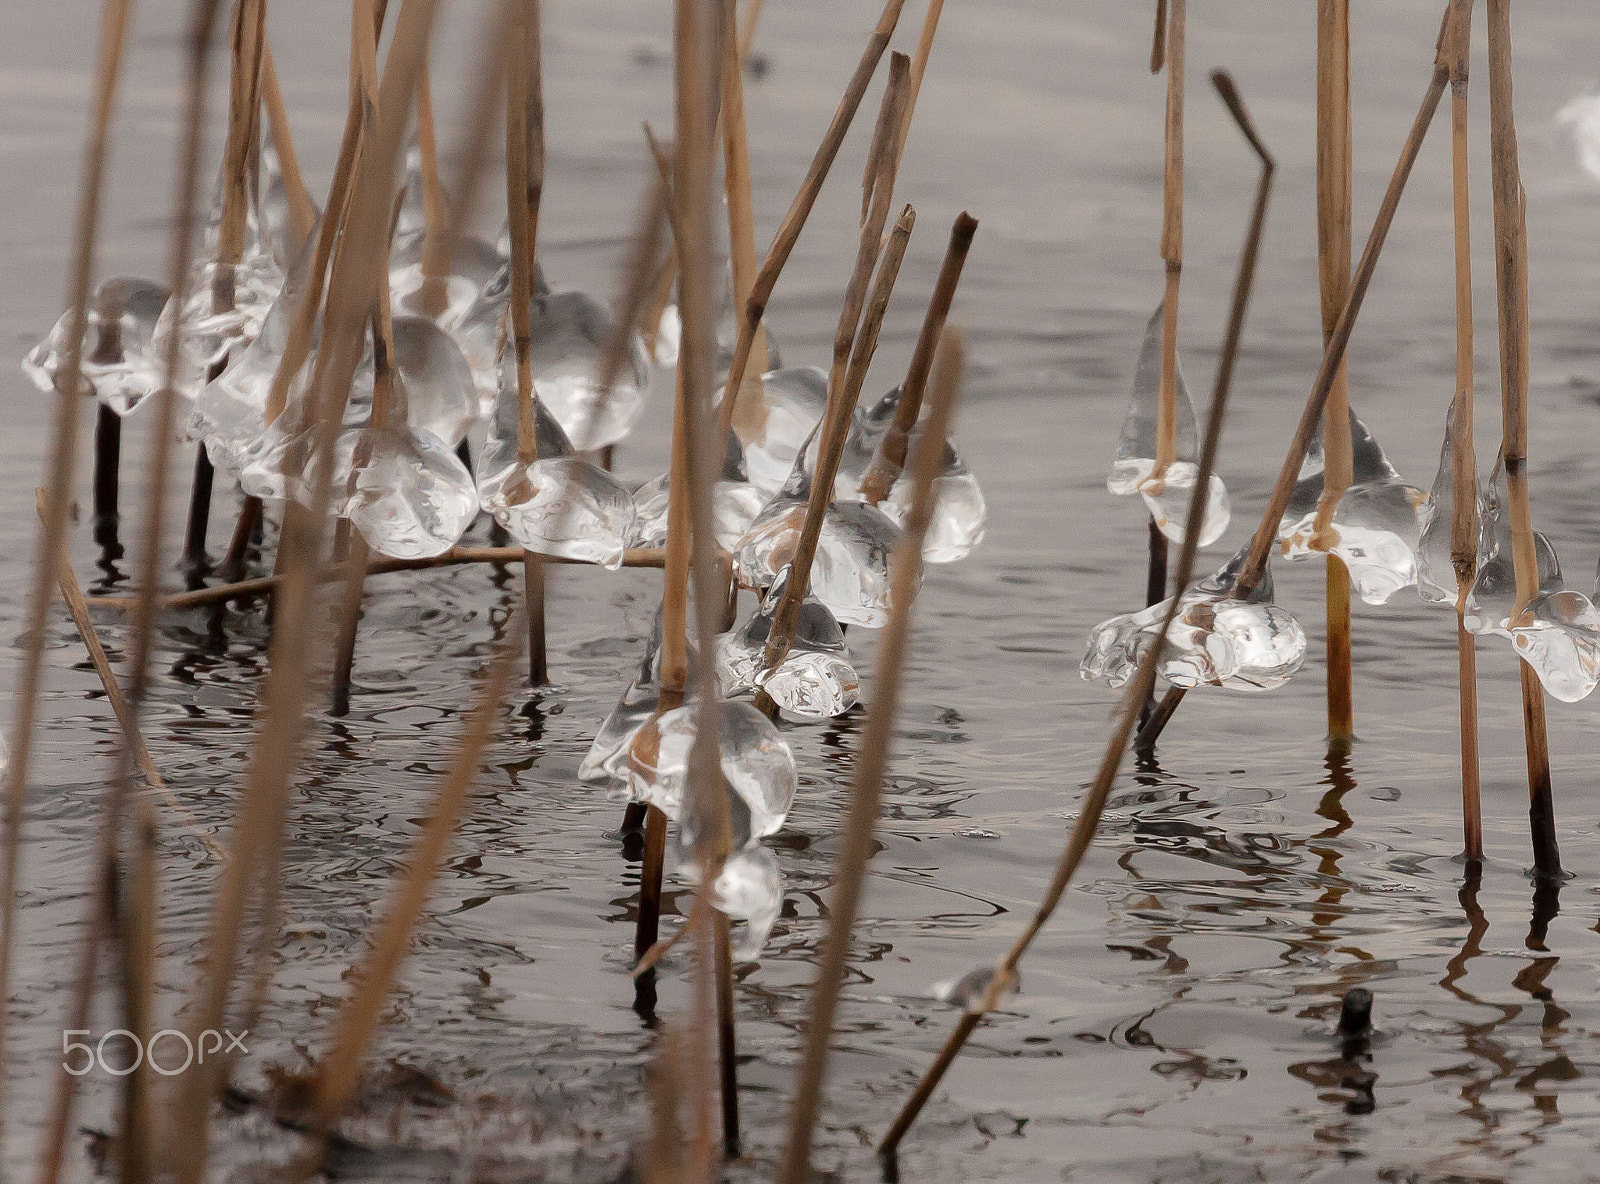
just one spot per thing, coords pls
(1215, 640)
(635, 709)
(567, 332)
(1436, 572)
(850, 573)
(117, 361)
(796, 399)
(734, 506)
(749, 889)
(959, 509)
(1132, 470)
(967, 992)
(1558, 633)
(1377, 522)
(815, 681)
(498, 458)
(440, 396)
(412, 498)
(758, 770)
(205, 336)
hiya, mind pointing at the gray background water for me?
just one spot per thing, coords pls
(1177, 1013)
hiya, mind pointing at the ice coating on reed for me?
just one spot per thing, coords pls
(815, 681)
(1436, 572)
(408, 494)
(1376, 526)
(117, 359)
(1133, 467)
(1245, 644)
(567, 332)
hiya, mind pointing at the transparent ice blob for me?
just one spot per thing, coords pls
(850, 573)
(795, 401)
(1580, 120)
(1215, 640)
(748, 889)
(758, 770)
(567, 332)
(117, 361)
(734, 506)
(815, 681)
(1376, 525)
(1436, 572)
(440, 394)
(1133, 469)
(967, 992)
(409, 495)
(1558, 632)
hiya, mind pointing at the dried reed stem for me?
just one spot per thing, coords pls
(736, 182)
(302, 210)
(919, 67)
(842, 400)
(1333, 271)
(1464, 523)
(1158, 42)
(524, 189)
(850, 865)
(890, 456)
(102, 907)
(260, 819)
(1143, 682)
(1333, 354)
(793, 222)
(339, 1071)
(1511, 271)
(1171, 243)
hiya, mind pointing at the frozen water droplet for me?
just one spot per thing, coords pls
(1377, 521)
(1167, 497)
(1436, 573)
(565, 507)
(440, 396)
(608, 751)
(412, 498)
(795, 399)
(734, 506)
(758, 770)
(1215, 640)
(967, 992)
(850, 573)
(117, 361)
(815, 681)
(1558, 633)
(959, 509)
(205, 336)
(567, 333)
(749, 889)
(1581, 120)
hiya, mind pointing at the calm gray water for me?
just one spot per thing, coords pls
(1176, 1022)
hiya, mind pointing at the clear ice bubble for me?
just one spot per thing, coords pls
(409, 495)
(959, 509)
(758, 770)
(1436, 572)
(1133, 469)
(734, 506)
(440, 395)
(1215, 640)
(795, 399)
(567, 333)
(1558, 633)
(967, 992)
(117, 360)
(850, 573)
(748, 889)
(1378, 521)
(815, 681)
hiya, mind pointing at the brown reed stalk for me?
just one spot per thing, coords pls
(1464, 523)
(102, 906)
(1266, 533)
(1158, 42)
(1171, 242)
(638, 279)
(1143, 682)
(1511, 272)
(1333, 270)
(138, 925)
(835, 428)
(302, 210)
(850, 866)
(919, 67)
(262, 803)
(695, 91)
(524, 188)
(849, 369)
(339, 1070)
(736, 181)
(435, 263)
(794, 221)
(890, 457)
